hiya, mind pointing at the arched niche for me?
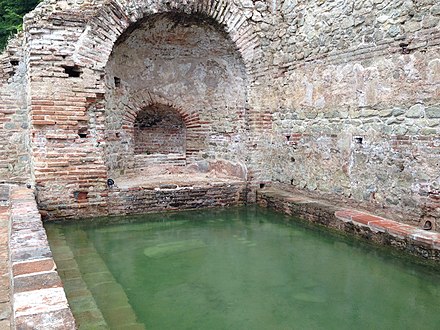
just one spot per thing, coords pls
(184, 60)
(159, 129)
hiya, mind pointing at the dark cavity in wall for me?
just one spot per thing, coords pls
(80, 196)
(72, 71)
(117, 82)
(359, 140)
(83, 129)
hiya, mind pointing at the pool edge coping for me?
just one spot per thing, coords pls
(37, 295)
(407, 238)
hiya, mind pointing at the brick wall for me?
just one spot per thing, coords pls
(84, 94)
(205, 83)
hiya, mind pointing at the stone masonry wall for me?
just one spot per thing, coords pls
(14, 126)
(355, 102)
(335, 97)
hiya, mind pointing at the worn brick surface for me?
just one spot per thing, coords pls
(39, 301)
(5, 292)
(29, 267)
(36, 282)
(59, 319)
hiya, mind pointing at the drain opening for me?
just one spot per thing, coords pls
(359, 140)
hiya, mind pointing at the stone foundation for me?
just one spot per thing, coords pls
(169, 197)
(382, 231)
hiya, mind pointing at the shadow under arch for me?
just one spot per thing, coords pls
(159, 129)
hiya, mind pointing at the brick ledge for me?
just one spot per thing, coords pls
(407, 238)
(38, 298)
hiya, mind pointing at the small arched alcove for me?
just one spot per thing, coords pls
(159, 129)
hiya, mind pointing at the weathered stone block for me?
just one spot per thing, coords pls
(432, 112)
(416, 111)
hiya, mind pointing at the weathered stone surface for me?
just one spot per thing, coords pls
(433, 112)
(243, 78)
(416, 111)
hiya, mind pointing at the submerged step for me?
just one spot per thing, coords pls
(82, 303)
(104, 303)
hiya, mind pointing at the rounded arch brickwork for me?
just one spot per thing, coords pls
(114, 18)
(195, 129)
(190, 119)
(159, 129)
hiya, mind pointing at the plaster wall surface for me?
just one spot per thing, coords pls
(336, 98)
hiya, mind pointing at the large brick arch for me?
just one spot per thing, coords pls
(114, 18)
(68, 100)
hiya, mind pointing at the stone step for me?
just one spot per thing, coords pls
(82, 303)
(108, 294)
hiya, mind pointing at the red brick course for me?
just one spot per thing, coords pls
(5, 298)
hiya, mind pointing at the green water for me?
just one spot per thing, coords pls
(237, 269)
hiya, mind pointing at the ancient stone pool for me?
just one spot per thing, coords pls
(238, 268)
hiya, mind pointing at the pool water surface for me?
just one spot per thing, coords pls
(239, 268)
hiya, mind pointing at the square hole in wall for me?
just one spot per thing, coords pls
(359, 140)
(72, 71)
